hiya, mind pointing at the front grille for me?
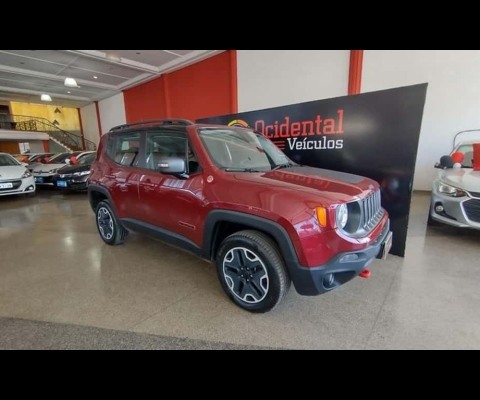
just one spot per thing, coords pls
(472, 209)
(372, 211)
(16, 185)
(475, 194)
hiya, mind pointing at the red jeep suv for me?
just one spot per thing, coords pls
(230, 196)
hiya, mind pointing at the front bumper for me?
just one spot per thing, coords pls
(77, 183)
(43, 179)
(19, 186)
(338, 271)
(463, 212)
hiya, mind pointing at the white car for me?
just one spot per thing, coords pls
(14, 177)
(44, 173)
(456, 191)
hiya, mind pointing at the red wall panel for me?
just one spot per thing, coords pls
(201, 90)
(146, 101)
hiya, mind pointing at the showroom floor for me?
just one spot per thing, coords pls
(62, 288)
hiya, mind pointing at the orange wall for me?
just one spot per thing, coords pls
(201, 90)
(9, 147)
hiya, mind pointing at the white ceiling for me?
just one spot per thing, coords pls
(26, 74)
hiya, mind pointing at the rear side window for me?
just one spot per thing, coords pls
(124, 149)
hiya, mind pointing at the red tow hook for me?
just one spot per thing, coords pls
(365, 274)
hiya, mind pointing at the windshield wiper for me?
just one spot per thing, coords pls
(241, 170)
(286, 165)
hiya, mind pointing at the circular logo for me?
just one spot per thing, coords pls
(239, 122)
(210, 179)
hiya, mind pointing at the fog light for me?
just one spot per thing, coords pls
(349, 258)
(329, 281)
(439, 209)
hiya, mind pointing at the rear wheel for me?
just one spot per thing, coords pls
(110, 229)
(252, 272)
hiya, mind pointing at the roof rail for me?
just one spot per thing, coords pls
(168, 121)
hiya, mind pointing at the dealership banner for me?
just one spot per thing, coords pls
(372, 134)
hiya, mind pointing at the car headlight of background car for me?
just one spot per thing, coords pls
(451, 191)
(83, 173)
(26, 175)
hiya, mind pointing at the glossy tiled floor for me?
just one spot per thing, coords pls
(54, 268)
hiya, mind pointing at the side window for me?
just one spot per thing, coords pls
(164, 144)
(124, 149)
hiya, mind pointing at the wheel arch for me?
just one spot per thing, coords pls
(217, 219)
(97, 194)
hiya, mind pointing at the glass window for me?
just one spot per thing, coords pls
(7, 161)
(124, 149)
(467, 149)
(241, 149)
(163, 145)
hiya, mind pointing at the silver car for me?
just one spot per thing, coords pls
(456, 191)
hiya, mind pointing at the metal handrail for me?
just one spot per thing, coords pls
(35, 124)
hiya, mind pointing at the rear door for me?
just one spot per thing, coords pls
(124, 175)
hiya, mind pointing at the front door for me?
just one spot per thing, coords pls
(168, 202)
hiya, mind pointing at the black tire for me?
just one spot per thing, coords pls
(263, 283)
(109, 228)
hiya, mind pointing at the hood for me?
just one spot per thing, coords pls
(46, 168)
(331, 185)
(465, 178)
(68, 170)
(13, 172)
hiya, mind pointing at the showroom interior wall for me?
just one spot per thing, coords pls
(112, 112)
(90, 123)
(453, 97)
(200, 90)
(272, 78)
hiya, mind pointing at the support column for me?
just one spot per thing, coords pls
(81, 129)
(46, 146)
(99, 121)
(356, 67)
(234, 80)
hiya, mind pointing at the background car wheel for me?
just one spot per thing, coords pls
(252, 272)
(111, 231)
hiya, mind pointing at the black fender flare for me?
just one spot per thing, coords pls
(99, 189)
(272, 228)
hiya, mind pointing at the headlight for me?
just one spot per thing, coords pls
(83, 173)
(342, 216)
(450, 190)
(53, 172)
(26, 175)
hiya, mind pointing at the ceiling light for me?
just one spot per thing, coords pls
(46, 97)
(56, 123)
(95, 77)
(113, 55)
(69, 92)
(70, 82)
(57, 111)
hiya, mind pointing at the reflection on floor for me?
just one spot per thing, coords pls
(59, 283)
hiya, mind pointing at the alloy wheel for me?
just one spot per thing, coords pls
(105, 223)
(246, 275)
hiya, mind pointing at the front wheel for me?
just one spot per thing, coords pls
(111, 231)
(252, 272)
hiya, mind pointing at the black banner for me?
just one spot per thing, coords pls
(373, 134)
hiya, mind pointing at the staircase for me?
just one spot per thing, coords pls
(69, 140)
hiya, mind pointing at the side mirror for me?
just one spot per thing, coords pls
(24, 164)
(172, 166)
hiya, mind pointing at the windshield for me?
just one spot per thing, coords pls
(42, 158)
(61, 158)
(467, 150)
(87, 159)
(241, 149)
(8, 161)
